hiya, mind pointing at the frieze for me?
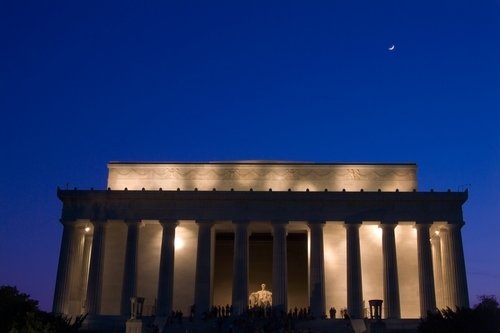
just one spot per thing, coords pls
(180, 175)
(292, 174)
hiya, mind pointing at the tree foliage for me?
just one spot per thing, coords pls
(483, 318)
(14, 307)
(20, 314)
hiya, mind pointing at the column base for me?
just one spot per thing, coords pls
(134, 326)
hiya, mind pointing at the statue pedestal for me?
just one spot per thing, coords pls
(377, 327)
(134, 326)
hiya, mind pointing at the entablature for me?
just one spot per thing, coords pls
(262, 205)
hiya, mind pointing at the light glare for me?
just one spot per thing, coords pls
(178, 243)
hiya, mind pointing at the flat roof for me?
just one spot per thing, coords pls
(266, 162)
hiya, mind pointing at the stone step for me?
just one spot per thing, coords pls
(227, 326)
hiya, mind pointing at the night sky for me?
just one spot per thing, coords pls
(83, 83)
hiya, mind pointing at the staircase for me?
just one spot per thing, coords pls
(228, 326)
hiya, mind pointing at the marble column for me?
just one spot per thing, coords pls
(280, 269)
(94, 288)
(354, 281)
(446, 261)
(166, 273)
(317, 270)
(87, 246)
(240, 267)
(129, 287)
(75, 299)
(204, 276)
(66, 257)
(391, 283)
(438, 270)
(425, 270)
(457, 266)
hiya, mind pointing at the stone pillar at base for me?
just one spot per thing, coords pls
(134, 326)
(377, 326)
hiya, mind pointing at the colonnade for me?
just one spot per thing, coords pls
(441, 267)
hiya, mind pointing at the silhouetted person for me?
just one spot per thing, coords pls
(192, 310)
(333, 312)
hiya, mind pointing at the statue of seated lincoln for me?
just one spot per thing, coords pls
(261, 298)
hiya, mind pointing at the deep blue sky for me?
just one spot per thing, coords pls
(87, 82)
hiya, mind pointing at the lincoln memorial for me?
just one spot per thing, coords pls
(314, 235)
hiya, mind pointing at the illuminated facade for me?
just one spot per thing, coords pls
(319, 235)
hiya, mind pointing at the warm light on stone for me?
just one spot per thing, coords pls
(179, 243)
(242, 176)
(363, 238)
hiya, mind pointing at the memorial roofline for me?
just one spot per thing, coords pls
(263, 162)
(326, 194)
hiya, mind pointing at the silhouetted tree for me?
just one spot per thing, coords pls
(14, 307)
(44, 322)
(483, 318)
(20, 314)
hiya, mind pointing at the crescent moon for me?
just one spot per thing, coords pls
(392, 47)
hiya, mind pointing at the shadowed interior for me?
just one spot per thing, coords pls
(260, 266)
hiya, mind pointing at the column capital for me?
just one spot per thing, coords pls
(132, 221)
(388, 225)
(424, 221)
(76, 225)
(453, 225)
(241, 225)
(240, 222)
(422, 224)
(389, 221)
(317, 224)
(168, 223)
(166, 220)
(279, 225)
(206, 223)
(444, 229)
(98, 222)
(352, 225)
